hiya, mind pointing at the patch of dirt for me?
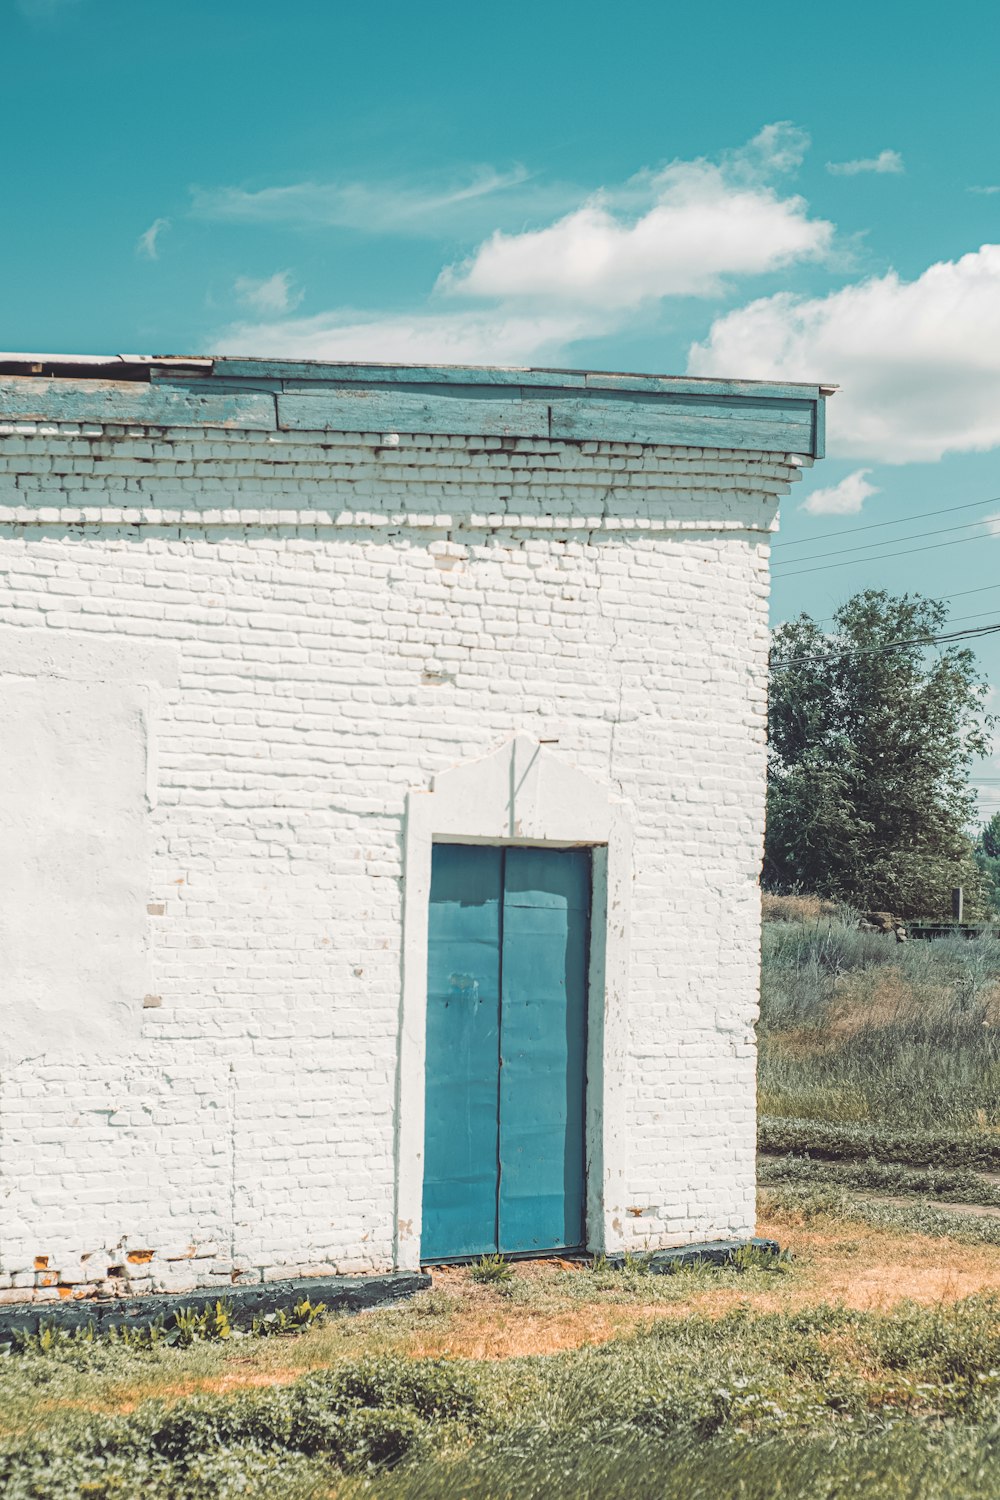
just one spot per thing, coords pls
(487, 1334)
(854, 1265)
(868, 1269)
(208, 1385)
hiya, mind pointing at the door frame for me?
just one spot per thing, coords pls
(522, 794)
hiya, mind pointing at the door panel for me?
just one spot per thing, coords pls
(506, 1043)
(463, 1041)
(542, 1047)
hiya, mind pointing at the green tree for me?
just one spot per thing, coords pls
(988, 860)
(989, 837)
(870, 745)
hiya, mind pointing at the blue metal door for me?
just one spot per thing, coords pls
(506, 1046)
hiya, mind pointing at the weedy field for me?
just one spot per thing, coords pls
(865, 1363)
(879, 1073)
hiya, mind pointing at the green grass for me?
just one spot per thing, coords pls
(943, 1184)
(873, 1142)
(825, 1397)
(492, 1270)
(859, 1033)
(906, 1462)
(816, 1201)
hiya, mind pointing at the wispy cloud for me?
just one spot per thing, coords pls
(987, 191)
(496, 337)
(147, 245)
(843, 499)
(886, 162)
(269, 294)
(688, 228)
(918, 361)
(422, 209)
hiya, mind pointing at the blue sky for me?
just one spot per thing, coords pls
(783, 190)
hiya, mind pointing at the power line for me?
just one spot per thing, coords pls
(977, 616)
(877, 525)
(944, 598)
(919, 640)
(872, 546)
(934, 547)
(964, 593)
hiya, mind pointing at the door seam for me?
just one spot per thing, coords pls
(501, 923)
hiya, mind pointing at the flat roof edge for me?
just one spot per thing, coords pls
(312, 396)
(253, 367)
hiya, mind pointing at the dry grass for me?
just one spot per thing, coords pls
(870, 1269)
(854, 1028)
(796, 908)
(552, 1308)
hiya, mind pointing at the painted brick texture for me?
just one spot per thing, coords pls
(349, 614)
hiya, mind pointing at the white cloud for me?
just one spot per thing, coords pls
(271, 294)
(672, 231)
(679, 231)
(918, 361)
(843, 499)
(886, 161)
(986, 191)
(495, 337)
(378, 208)
(146, 245)
(993, 524)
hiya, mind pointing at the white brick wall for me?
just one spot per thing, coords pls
(351, 614)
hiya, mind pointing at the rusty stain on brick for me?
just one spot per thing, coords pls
(140, 1257)
(41, 1262)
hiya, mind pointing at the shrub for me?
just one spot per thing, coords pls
(494, 1270)
(860, 1142)
(366, 1415)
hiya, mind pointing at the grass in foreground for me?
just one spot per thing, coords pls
(905, 1462)
(817, 1389)
(692, 1384)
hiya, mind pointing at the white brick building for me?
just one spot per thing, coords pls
(268, 633)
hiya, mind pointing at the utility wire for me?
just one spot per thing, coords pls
(944, 598)
(918, 640)
(977, 616)
(921, 515)
(907, 552)
(965, 592)
(915, 536)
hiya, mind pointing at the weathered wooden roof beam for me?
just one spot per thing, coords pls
(297, 395)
